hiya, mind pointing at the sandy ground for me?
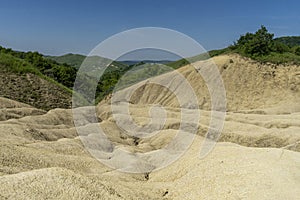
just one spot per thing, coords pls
(256, 157)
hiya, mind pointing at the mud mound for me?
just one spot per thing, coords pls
(10, 109)
(232, 172)
(62, 169)
(8, 103)
(56, 183)
(252, 130)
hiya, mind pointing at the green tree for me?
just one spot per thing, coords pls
(244, 39)
(259, 43)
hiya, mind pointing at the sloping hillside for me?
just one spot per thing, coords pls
(249, 85)
(31, 78)
(33, 90)
(23, 81)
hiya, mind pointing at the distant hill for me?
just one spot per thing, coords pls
(185, 61)
(113, 73)
(289, 40)
(74, 60)
(134, 62)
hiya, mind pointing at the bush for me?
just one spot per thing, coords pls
(280, 47)
(297, 51)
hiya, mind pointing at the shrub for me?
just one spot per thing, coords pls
(297, 51)
(280, 47)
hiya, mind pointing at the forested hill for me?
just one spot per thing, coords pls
(291, 41)
(74, 60)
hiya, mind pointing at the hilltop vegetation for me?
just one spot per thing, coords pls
(261, 46)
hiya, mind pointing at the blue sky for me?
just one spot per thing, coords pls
(58, 27)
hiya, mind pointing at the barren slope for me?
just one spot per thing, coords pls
(33, 90)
